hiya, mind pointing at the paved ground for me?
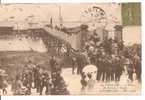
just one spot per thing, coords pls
(100, 88)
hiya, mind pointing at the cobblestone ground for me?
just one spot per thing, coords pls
(100, 88)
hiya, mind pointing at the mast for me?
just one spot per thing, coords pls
(60, 17)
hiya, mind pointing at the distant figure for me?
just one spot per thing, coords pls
(124, 79)
(74, 65)
(83, 83)
(137, 66)
(91, 82)
(36, 76)
(59, 86)
(45, 82)
(17, 86)
(134, 76)
(52, 63)
(28, 76)
(5, 85)
(129, 65)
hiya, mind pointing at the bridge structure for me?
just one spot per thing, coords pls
(71, 40)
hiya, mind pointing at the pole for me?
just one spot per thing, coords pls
(60, 17)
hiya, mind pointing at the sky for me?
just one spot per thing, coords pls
(43, 12)
(20, 15)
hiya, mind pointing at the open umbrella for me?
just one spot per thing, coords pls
(90, 69)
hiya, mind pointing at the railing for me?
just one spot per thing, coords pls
(70, 39)
(59, 34)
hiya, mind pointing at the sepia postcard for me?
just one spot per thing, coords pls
(70, 49)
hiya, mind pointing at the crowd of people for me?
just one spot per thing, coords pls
(37, 78)
(110, 58)
(3, 81)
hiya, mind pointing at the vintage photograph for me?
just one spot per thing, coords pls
(70, 49)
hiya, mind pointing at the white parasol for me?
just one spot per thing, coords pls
(90, 69)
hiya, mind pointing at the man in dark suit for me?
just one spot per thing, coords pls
(53, 63)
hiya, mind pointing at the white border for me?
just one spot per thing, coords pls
(66, 1)
(86, 97)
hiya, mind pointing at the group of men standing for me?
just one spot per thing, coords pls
(107, 58)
